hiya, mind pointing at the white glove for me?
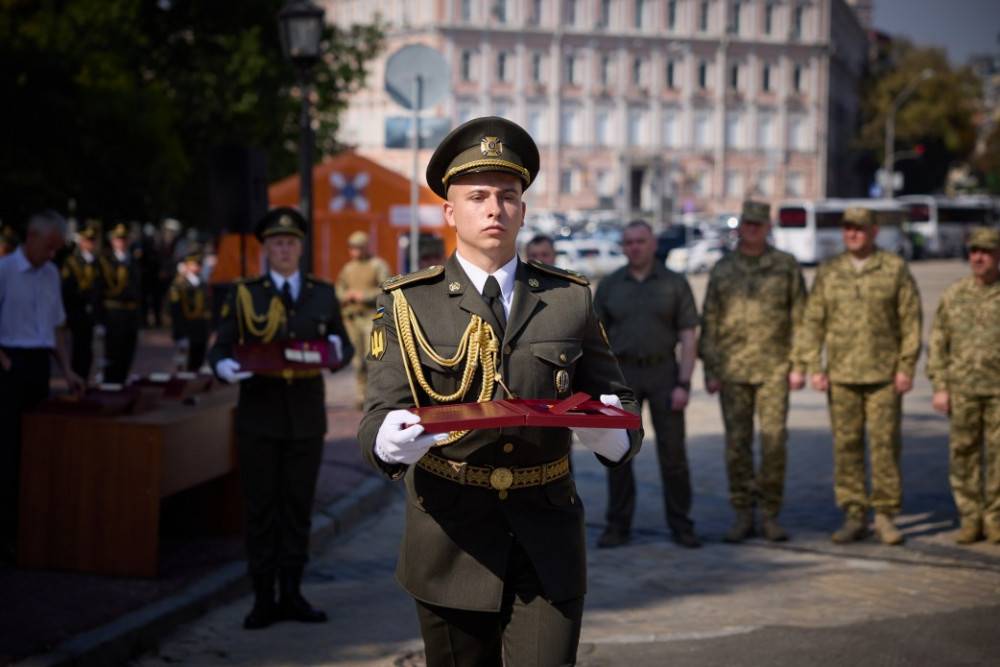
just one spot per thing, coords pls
(611, 443)
(337, 345)
(399, 438)
(229, 370)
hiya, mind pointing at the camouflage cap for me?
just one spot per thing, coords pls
(358, 239)
(858, 216)
(756, 211)
(281, 220)
(984, 238)
(490, 143)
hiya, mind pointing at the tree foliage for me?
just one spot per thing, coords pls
(118, 104)
(939, 115)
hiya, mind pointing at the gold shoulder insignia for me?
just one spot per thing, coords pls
(415, 277)
(571, 276)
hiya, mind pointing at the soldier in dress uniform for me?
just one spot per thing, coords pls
(281, 416)
(120, 282)
(81, 291)
(190, 309)
(358, 285)
(864, 310)
(493, 550)
(753, 303)
(964, 367)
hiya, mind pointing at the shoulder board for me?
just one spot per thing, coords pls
(571, 276)
(415, 277)
(251, 281)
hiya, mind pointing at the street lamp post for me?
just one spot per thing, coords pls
(301, 27)
(889, 165)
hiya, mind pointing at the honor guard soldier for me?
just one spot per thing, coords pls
(81, 292)
(753, 304)
(493, 550)
(358, 285)
(190, 309)
(964, 367)
(120, 279)
(864, 311)
(280, 416)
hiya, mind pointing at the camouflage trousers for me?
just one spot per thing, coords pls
(359, 329)
(739, 403)
(852, 408)
(975, 427)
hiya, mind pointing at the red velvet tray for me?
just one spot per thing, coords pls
(96, 402)
(280, 355)
(179, 386)
(579, 410)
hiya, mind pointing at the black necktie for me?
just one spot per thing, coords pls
(492, 294)
(286, 295)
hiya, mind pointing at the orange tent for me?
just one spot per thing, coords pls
(350, 193)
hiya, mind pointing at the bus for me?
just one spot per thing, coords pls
(943, 223)
(810, 229)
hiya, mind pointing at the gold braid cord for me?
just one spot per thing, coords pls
(250, 322)
(114, 287)
(192, 311)
(477, 347)
(83, 273)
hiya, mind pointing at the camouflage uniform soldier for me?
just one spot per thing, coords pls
(964, 366)
(755, 294)
(864, 309)
(358, 285)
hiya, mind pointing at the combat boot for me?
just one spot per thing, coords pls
(742, 527)
(773, 531)
(886, 530)
(291, 605)
(854, 529)
(969, 532)
(265, 611)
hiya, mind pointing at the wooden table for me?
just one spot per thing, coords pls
(91, 487)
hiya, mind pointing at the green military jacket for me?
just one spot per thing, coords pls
(276, 406)
(81, 289)
(457, 537)
(867, 321)
(366, 276)
(190, 310)
(121, 284)
(752, 307)
(965, 340)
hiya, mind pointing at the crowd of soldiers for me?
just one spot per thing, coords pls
(856, 336)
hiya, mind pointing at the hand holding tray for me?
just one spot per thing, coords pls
(280, 355)
(579, 410)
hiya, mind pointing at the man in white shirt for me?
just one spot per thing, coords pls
(31, 330)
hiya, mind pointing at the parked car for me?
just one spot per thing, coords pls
(697, 257)
(593, 257)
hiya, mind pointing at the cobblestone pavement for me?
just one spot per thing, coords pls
(757, 603)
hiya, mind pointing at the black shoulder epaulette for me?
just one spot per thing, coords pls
(252, 280)
(415, 277)
(571, 276)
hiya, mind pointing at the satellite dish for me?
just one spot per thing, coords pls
(417, 77)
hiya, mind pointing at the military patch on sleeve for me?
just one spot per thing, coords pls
(376, 343)
(379, 314)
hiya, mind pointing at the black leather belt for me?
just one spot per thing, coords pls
(643, 362)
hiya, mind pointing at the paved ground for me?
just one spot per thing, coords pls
(652, 603)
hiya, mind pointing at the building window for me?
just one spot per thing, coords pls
(605, 183)
(465, 66)
(672, 14)
(465, 11)
(702, 75)
(602, 128)
(465, 112)
(797, 15)
(566, 181)
(734, 18)
(570, 70)
(765, 78)
(703, 16)
(537, 127)
(765, 130)
(567, 127)
(637, 72)
(535, 12)
(734, 129)
(671, 82)
(734, 77)
(795, 184)
(500, 10)
(797, 78)
(734, 184)
(569, 12)
(797, 140)
(702, 129)
(536, 67)
(702, 185)
(768, 18)
(671, 128)
(604, 14)
(607, 72)
(765, 183)
(501, 108)
(636, 127)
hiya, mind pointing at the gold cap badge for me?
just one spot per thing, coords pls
(491, 147)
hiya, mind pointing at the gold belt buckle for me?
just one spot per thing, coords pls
(501, 479)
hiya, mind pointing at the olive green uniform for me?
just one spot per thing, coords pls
(467, 547)
(81, 293)
(964, 360)
(365, 276)
(280, 417)
(120, 313)
(190, 317)
(868, 322)
(643, 321)
(752, 308)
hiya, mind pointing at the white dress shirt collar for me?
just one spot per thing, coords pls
(294, 280)
(504, 276)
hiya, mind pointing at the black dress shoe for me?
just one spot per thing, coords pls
(612, 537)
(291, 605)
(265, 611)
(687, 539)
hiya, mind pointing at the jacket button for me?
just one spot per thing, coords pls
(508, 448)
(506, 349)
(562, 357)
(503, 494)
